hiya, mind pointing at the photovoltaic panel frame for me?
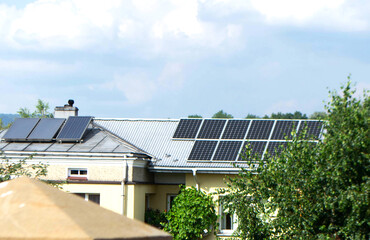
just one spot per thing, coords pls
(227, 150)
(187, 128)
(46, 129)
(283, 129)
(236, 129)
(74, 129)
(202, 150)
(257, 149)
(211, 129)
(21, 129)
(260, 129)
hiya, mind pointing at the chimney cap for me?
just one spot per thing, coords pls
(71, 102)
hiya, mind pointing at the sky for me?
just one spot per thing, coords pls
(174, 58)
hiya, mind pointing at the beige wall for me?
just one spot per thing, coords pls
(95, 172)
(110, 194)
(135, 198)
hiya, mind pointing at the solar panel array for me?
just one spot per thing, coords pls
(227, 139)
(47, 129)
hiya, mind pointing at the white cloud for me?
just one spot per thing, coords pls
(166, 26)
(342, 15)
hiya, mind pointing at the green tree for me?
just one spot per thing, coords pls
(295, 115)
(251, 116)
(318, 115)
(10, 169)
(40, 112)
(195, 116)
(222, 114)
(192, 215)
(310, 191)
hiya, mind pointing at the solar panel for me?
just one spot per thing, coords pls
(202, 150)
(187, 128)
(260, 129)
(275, 148)
(20, 129)
(46, 129)
(257, 149)
(211, 129)
(284, 129)
(74, 129)
(227, 150)
(236, 129)
(313, 129)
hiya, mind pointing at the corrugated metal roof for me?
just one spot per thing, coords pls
(155, 138)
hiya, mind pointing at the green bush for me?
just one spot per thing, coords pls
(155, 217)
(192, 215)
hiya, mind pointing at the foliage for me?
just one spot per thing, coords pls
(295, 115)
(251, 116)
(40, 112)
(195, 116)
(192, 215)
(310, 191)
(222, 114)
(318, 115)
(7, 118)
(155, 217)
(10, 169)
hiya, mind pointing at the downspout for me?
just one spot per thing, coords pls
(124, 180)
(195, 178)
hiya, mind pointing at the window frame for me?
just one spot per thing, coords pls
(168, 200)
(222, 214)
(78, 176)
(86, 196)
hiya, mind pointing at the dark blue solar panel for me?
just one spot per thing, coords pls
(313, 129)
(46, 129)
(187, 128)
(236, 129)
(202, 150)
(275, 148)
(74, 129)
(260, 129)
(227, 150)
(211, 129)
(257, 149)
(20, 129)
(283, 129)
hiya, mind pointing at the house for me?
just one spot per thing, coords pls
(130, 165)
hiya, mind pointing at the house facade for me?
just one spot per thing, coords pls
(130, 165)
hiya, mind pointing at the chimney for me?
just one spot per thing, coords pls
(66, 111)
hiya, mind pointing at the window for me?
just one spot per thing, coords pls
(93, 197)
(227, 220)
(77, 173)
(170, 198)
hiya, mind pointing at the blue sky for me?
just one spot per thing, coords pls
(172, 58)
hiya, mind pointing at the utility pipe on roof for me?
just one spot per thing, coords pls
(195, 178)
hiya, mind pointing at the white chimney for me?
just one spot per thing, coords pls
(66, 111)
